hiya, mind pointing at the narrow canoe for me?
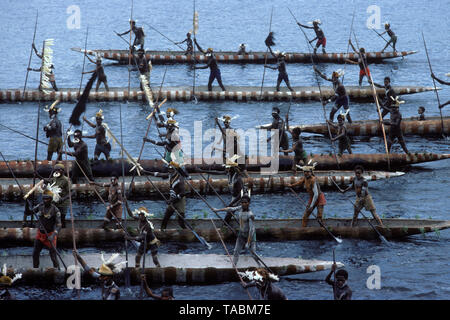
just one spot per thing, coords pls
(185, 93)
(88, 233)
(172, 57)
(175, 268)
(142, 188)
(103, 168)
(431, 127)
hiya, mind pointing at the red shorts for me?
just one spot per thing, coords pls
(364, 72)
(322, 42)
(321, 201)
(43, 238)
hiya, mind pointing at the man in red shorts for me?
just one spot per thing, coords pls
(362, 62)
(320, 36)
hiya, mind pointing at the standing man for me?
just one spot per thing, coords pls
(316, 196)
(102, 144)
(362, 62)
(53, 130)
(189, 45)
(139, 35)
(442, 82)
(211, 63)
(48, 228)
(228, 131)
(146, 235)
(300, 155)
(172, 143)
(114, 209)
(389, 95)
(279, 124)
(341, 289)
(363, 197)
(281, 67)
(101, 76)
(391, 34)
(320, 37)
(81, 157)
(247, 231)
(342, 136)
(395, 132)
(51, 75)
(59, 180)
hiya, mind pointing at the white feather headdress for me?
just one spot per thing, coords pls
(115, 267)
(308, 167)
(55, 190)
(47, 62)
(148, 93)
(16, 276)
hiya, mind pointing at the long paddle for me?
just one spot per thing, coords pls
(434, 83)
(265, 58)
(31, 54)
(23, 134)
(384, 39)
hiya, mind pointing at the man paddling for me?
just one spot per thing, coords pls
(363, 197)
(227, 133)
(171, 144)
(263, 280)
(300, 155)
(320, 36)
(101, 76)
(281, 67)
(211, 63)
(242, 50)
(389, 95)
(53, 130)
(391, 34)
(104, 274)
(316, 196)
(143, 65)
(362, 63)
(102, 145)
(62, 182)
(115, 199)
(340, 97)
(189, 44)
(146, 235)
(81, 157)
(279, 125)
(139, 35)
(395, 131)
(48, 228)
(50, 75)
(340, 287)
(166, 293)
(342, 135)
(247, 232)
(442, 82)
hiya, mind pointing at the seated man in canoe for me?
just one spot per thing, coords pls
(146, 235)
(242, 51)
(263, 280)
(363, 197)
(342, 135)
(395, 123)
(341, 290)
(442, 82)
(316, 196)
(421, 112)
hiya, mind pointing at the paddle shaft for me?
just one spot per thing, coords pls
(84, 60)
(31, 55)
(349, 37)
(23, 134)
(390, 44)
(300, 27)
(434, 83)
(265, 58)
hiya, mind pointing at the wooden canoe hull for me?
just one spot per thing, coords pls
(102, 168)
(410, 126)
(88, 234)
(185, 93)
(173, 57)
(258, 184)
(175, 268)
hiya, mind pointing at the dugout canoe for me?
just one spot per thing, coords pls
(103, 168)
(431, 127)
(88, 233)
(185, 93)
(141, 188)
(176, 57)
(175, 268)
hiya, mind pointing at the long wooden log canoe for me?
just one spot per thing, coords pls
(432, 127)
(142, 188)
(172, 57)
(185, 93)
(175, 268)
(89, 234)
(103, 168)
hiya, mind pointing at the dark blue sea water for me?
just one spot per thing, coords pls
(415, 268)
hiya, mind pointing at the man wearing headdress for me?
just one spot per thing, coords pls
(6, 282)
(228, 132)
(242, 51)
(51, 75)
(146, 235)
(102, 145)
(53, 130)
(395, 123)
(139, 35)
(211, 63)
(48, 227)
(189, 44)
(316, 196)
(281, 67)
(320, 36)
(340, 97)
(105, 274)
(62, 182)
(172, 143)
(391, 34)
(101, 76)
(263, 280)
(81, 157)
